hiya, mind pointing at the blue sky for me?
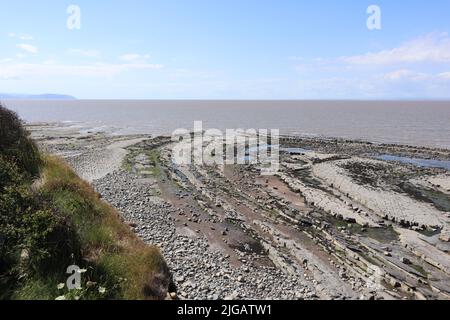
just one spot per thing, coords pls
(227, 49)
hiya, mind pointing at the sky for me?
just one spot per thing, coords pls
(226, 49)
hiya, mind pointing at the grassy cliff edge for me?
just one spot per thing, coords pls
(50, 219)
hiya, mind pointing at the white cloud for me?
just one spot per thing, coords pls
(26, 37)
(84, 53)
(444, 76)
(134, 57)
(405, 74)
(432, 48)
(16, 70)
(417, 68)
(23, 37)
(28, 47)
(49, 61)
(403, 84)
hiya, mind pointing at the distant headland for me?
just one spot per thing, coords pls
(46, 96)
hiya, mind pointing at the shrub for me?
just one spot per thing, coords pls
(15, 144)
(63, 222)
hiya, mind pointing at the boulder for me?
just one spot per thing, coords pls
(173, 295)
(405, 260)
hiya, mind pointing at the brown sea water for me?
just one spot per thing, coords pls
(423, 123)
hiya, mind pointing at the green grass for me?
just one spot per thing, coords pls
(51, 219)
(37, 289)
(100, 243)
(109, 247)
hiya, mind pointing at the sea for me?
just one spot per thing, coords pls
(419, 123)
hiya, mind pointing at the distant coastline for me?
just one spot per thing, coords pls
(45, 96)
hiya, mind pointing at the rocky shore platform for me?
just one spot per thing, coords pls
(337, 221)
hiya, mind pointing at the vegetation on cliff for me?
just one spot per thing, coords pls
(50, 219)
